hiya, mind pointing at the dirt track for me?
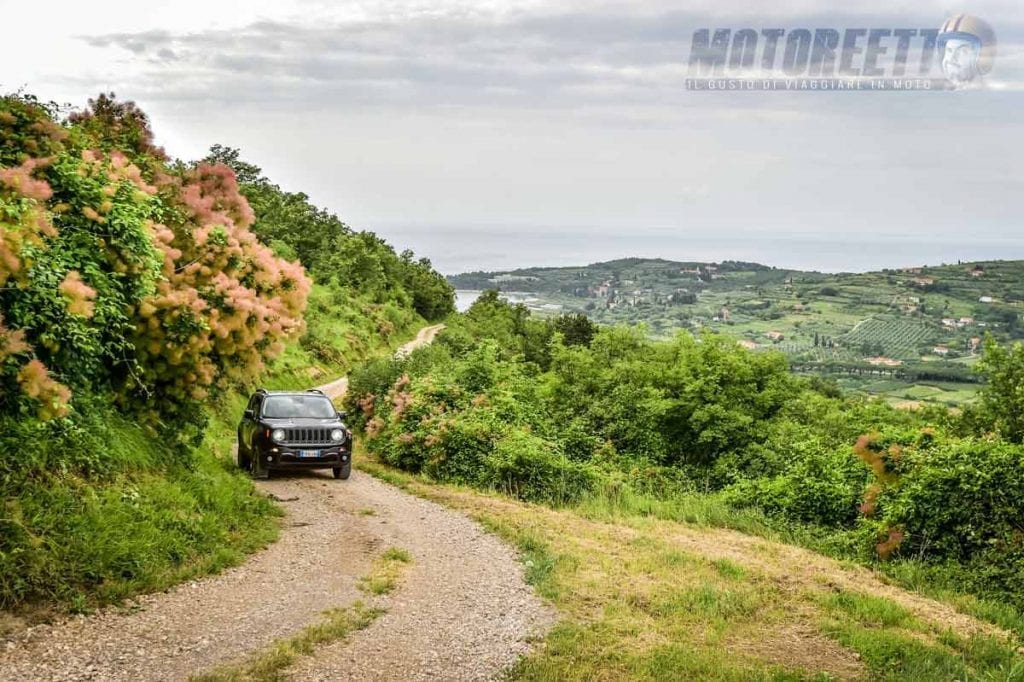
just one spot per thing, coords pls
(462, 611)
(426, 335)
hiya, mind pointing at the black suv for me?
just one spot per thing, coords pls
(283, 430)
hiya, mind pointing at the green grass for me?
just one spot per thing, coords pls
(869, 610)
(948, 584)
(147, 519)
(268, 665)
(693, 508)
(896, 645)
(386, 572)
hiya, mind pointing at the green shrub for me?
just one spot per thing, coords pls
(530, 468)
(817, 484)
(956, 499)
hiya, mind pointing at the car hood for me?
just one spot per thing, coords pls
(302, 421)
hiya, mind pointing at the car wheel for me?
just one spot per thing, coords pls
(259, 472)
(343, 472)
(244, 460)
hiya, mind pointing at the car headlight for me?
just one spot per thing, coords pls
(337, 435)
(277, 435)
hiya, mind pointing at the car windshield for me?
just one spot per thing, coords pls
(292, 406)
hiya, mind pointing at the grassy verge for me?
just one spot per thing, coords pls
(266, 666)
(944, 583)
(141, 520)
(646, 598)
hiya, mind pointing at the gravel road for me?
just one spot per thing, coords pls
(462, 612)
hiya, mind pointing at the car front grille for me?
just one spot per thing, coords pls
(310, 436)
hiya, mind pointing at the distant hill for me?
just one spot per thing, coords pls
(910, 333)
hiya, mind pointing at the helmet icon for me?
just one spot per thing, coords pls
(968, 46)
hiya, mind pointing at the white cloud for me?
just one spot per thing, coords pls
(565, 113)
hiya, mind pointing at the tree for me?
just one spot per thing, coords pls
(1002, 400)
(576, 330)
(245, 172)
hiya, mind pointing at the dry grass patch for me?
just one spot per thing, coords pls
(647, 599)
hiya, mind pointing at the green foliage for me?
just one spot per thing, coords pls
(1002, 400)
(953, 501)
(528, 467)
(811, 490)
(467, 424)
(358, 262)
(504, 402)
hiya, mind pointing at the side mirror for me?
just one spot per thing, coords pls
(248, 414)
(342, 415)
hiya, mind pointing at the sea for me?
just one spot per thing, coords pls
(457, 250)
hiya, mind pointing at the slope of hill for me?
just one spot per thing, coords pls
(910, 334)
(140, 299)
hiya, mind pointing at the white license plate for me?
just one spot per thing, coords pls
(306, 454)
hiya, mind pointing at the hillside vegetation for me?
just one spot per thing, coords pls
(646, 598)
(560, 412)
(138, 296)
(912, 335)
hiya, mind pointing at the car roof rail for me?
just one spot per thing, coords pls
(315, 390)
(262, 390)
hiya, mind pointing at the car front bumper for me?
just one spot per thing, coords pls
(290, 458)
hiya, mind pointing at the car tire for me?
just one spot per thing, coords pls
(258, 472)
(343, 472)
(244, 459)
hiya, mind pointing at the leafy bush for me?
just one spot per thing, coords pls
(132, 275)
(816, 487)
(951, 499)
(507, 403)
(530, 468)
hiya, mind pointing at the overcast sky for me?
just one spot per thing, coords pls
(416, 117)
